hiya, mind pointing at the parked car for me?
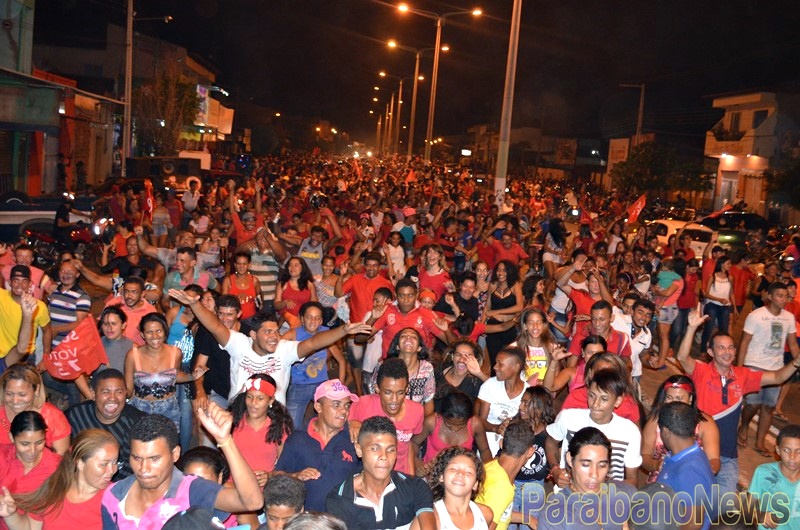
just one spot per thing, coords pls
(663, 228)
(19, 212)
(738, 221)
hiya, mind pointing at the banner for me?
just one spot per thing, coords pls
(149, 200)
(81, 352)
(636, 208)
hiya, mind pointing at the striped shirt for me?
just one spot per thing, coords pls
(84, 416)
(265, 268)
(624, 435)
(64, 307)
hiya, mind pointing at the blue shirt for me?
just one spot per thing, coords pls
(689, 472)
(335, 462)
(313, 369)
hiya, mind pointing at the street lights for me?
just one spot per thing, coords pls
(418, 53)
(396, 120)
(440, 21)
(126, 118)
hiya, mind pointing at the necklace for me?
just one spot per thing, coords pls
(501, 291)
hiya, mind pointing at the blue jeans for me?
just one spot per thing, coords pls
(168, 407)
(297, 399)
(678, 328)
(561, 318)
(719, 313)
(204, 438)
(727, 480)
(526, 495)
(67, 388)
(186, 419)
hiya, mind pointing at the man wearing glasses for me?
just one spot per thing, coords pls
(263, 351)
(721, 387)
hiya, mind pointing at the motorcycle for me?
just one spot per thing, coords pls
(87, 242)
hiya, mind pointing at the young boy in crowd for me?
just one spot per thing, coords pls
(776, 485)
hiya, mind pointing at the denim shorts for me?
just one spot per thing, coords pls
(168, 407)
(668, 314)
(767, 396)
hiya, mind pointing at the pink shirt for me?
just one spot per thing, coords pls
(407, 426)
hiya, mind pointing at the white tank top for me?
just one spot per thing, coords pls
(560, 300)
(445, 523)
(720, 289)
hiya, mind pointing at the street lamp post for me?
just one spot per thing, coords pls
(417, 78)
(127, 111)
(440, 21)
(504, 139)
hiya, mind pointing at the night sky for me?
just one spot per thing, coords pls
(319, 59)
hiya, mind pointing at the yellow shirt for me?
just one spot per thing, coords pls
(497, 493)
(11, 321)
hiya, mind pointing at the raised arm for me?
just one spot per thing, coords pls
(207, 318)
(144, 245)
(683, 355)
(326, 338)
(246, 496)
(99, 280)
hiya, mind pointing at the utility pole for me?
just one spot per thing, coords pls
(508, 103)
(640, 117)
(126, 117)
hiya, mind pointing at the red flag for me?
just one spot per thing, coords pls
(720, 211)
(586, 217)
(81, 352)
(636, 208)
(149, 200)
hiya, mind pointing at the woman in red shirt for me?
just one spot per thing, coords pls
(260, 426)
(295, 288)
(27, 463)
(72, 496)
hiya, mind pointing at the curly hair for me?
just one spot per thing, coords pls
(436, 476)
(677, 380)
(280, 421)
(394, 346)
(306, 276)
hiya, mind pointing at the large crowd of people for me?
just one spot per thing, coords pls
(373, 344)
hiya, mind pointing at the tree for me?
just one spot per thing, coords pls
(782, 184)
(162, 109)
(655, 168)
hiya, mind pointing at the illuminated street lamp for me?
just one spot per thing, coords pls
(395, 124)
(418, 53)
(440, 21)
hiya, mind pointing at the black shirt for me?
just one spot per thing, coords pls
(218, 377)
(410, 497)
(125, 266)
(84, 416)
(468, 307)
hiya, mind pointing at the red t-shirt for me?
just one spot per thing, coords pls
(434, 282)
(240, 234)
(407, 426)
(12, 472)
(393, 322)
(740, 276)
(486, 254)
(361, 290)
(708, 383)
(57, 425)
(514, 254)
(259, 455)
(616, 341)
(85, 515)
(579, 399)
(688, 297)
(583, 301)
